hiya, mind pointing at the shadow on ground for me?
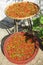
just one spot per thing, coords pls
(41, 45)
(6, 23)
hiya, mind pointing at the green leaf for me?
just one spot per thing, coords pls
(41, 19)
(37, 28)
(36, 22)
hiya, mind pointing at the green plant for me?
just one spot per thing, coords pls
(38, 26)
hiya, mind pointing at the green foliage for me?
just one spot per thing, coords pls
(36, 22)
(38, 26)
(41, 19)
